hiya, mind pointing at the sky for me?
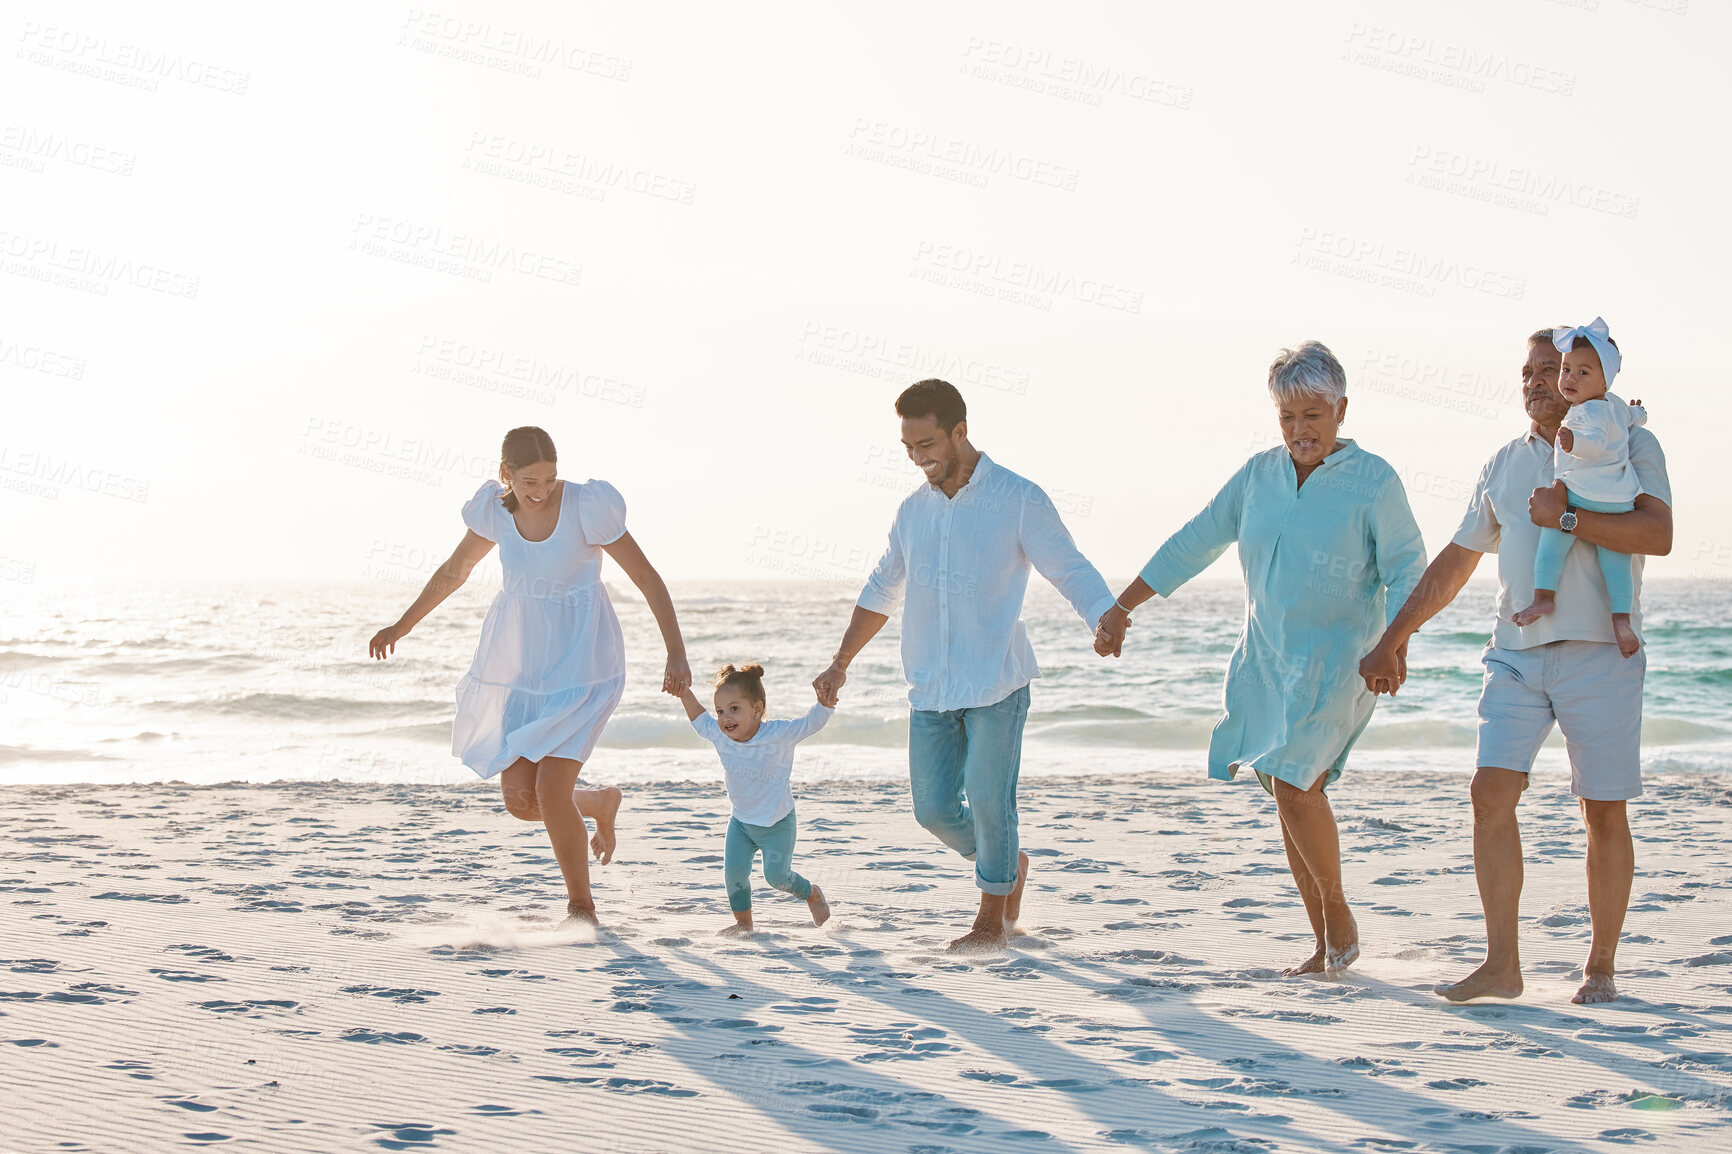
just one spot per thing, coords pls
(274, 283)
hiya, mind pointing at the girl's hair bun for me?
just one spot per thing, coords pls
(749, 679)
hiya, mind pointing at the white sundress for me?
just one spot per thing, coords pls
(550, 666)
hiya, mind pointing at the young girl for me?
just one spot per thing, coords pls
(1592, 458)
(550, 665)
(757, 758)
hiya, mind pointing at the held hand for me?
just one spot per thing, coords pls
(1110, 632)
(678, 677)
(1547, 505)
(1566, 440)
(384, 642)
(1384, 668)
(828, 683)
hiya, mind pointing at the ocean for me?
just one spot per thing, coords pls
(270, 682)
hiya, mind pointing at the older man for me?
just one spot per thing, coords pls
(1564, 668)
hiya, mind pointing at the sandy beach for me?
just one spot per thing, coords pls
(324, 966)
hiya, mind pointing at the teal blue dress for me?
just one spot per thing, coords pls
(1326, 567)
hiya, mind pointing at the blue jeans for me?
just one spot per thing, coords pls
(777, 842)
(1555, 545)
(962, 769)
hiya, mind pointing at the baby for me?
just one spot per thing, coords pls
(1592, 458)
(758, 760)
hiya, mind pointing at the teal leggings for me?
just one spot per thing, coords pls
(1555, 545)
(777, 842)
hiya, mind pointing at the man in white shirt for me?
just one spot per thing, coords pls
(1564, 668)
(961, 546)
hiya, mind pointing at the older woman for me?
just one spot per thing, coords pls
(1324, 535)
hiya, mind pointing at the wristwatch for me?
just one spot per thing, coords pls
(1567, 522)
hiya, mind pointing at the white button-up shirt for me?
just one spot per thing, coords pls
(964, 563)
(1497, 521)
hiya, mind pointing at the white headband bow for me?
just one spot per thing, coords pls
(1600, 337)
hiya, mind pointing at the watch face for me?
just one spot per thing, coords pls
(1567, 521)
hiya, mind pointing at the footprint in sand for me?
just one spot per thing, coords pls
(31, 965)
(85, 993)
(206, 954)
(113, 895)
(622, 1085)
(1263, 1087)
(1377, 1067)
(520, 975)
(812, 1005)
(409, 1135)
(401, 996)
(1309, 1017)
(185, 976)
(374, 1038)
(900, 1042)
(248, 1008)
(137, 1070)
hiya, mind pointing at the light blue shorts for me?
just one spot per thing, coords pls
(1589, 690)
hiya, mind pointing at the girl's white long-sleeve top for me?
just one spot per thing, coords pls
(1597, 466)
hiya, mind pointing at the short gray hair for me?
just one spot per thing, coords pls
(1309, 370)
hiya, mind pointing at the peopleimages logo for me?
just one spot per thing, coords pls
(507, 49)
(1512, 185)
(1066, 77)
(89, 269)
(933, 153)
(1374, 261)
(1454, 65)
(518, 374)
(135, 65)
(545, 164)
(36, 359)
(457, 253)
(886, 358)
(22, 147)
(1019, 282)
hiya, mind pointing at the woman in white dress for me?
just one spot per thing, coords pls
(550, 665)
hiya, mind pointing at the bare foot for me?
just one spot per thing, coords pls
(981, 941)
(1543, 604)
(737, 930)
(1628, 642)
(1345, 951)
(604, 841)
(1484, 982)
(1596, 988)
(819, 907)
(575, 913)
(1013, 903)
(1311, 965)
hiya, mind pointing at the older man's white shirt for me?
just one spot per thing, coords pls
(964, 564)
(1497, 521)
